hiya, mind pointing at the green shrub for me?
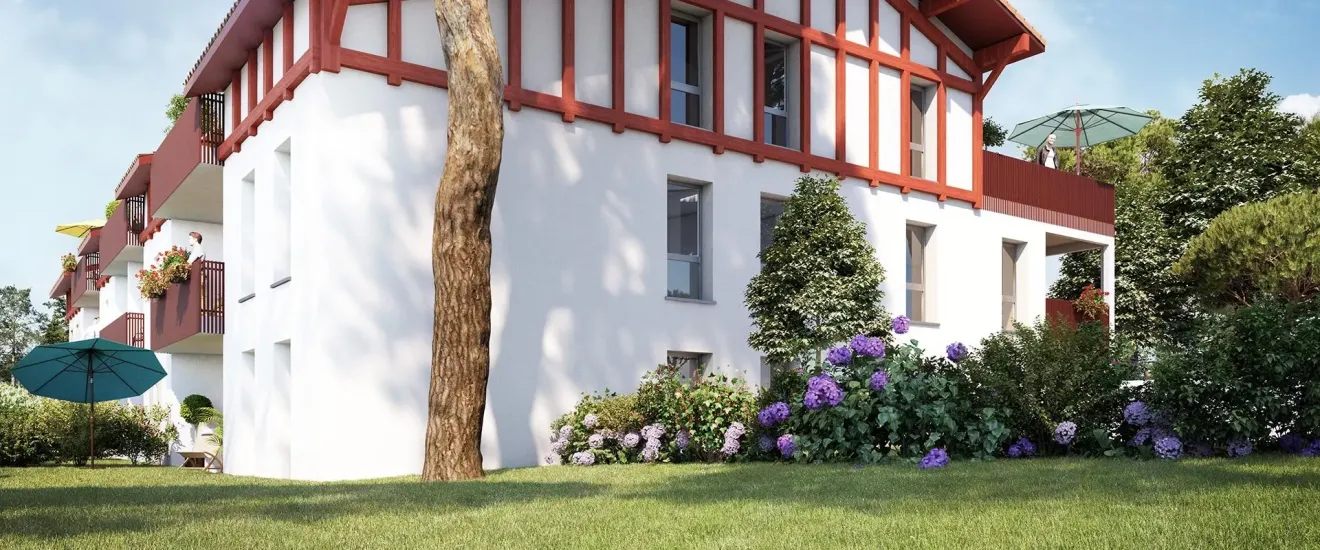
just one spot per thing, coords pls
(927, 403)
(1258, 251)
(36, 430)
(193, 408)
(703, 408)
(1250, 372)
(1053, 372)
(819, 281)
(110, 209)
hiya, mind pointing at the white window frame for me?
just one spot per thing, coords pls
(928, 95)
(691, 363)
(761, 219)
(694, 27)
(772, 111)
(922, 233)
(698, 284)
(1011, 253)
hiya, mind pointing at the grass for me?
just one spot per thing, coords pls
(1256, 502)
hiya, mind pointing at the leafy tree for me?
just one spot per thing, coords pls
(175, 109)
(1258, 250)
(820, 282)
(19, 323)
(992, 134)
(460, 242)
(110, 208)
(54, 326)
(1145, 289)
(1234, 147)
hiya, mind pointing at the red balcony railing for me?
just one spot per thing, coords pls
(123, 229)
(1064, 309)
(194, 140)
(190, 317)
(128, 329)
(1029, 190)
(84, 279)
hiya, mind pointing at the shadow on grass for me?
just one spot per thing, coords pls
(968, 486)
(55, 512)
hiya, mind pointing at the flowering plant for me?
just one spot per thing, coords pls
(173, 265)
(69, 263)
(1092, 302)
(151, 284)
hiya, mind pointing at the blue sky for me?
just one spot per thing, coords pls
(85, 84)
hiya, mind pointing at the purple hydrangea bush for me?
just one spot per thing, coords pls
(584, 458)
(879, 379)
(631, 440)
(867, 346)
(822, 390)
(590, 421)
(936, 458)
(956, 352)
(773, 415)
(1022, 448)
(681, 439)
(1239, 448)
(1065, 432)
(839, 356)
(731, 435)
(1168, 448)
(786, 446)
(901, 324)
(765, 443)
(1292, 443)
(596, 441)
(1136, 413)
(1312, 450)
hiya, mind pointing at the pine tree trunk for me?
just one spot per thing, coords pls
(460, 249)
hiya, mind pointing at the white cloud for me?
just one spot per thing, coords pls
(1305, 105)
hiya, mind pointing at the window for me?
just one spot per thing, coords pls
(771, 209)
(684, 236)
(690, 365)
(248, 235)
(1009, 283)
(776, 94)
(685, 71)
(281, 212)
(918, 135)
(918, 293)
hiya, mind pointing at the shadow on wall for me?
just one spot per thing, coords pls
(572, 279)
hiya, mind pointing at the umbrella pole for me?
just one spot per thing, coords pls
(91, 383)
(1077, 132)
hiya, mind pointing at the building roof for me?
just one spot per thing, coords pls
(983, 23)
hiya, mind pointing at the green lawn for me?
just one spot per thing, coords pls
(1258, 502)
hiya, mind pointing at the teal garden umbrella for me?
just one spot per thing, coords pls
(88, 371)
(1080, 125)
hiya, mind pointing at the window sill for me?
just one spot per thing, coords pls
(924, 324)
(248, 297)
(690, 300)
(281, 282)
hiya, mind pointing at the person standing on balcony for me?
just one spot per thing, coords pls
(195, 253)
(1046, 155)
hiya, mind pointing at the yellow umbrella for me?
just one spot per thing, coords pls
(80, 229)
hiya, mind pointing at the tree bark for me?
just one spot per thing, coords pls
(461, 244)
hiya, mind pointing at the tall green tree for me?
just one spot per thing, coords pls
(1234, 147)
(19, 327)
(1143, 252)
(820, 282)
(55, 326)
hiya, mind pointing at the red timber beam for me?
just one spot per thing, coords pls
(933, 8)
(329, 17)
(568, 56)
(997, 56)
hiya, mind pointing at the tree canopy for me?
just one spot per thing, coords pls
(820, 281)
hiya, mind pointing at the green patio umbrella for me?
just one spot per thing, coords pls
(1083, 125)
(88, 371)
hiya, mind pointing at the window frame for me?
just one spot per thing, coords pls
(693, 363)
(699, 283)
(1010, 255)
(922, 234)
(768, 136)
(692, 49)
(762, 218)
(918, 105)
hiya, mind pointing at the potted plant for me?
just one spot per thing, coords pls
(174, 267)
(151, 284)
(69, 263)
(1091, 304)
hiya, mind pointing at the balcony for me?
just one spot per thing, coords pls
(1029, 190)
(62, 286)
(84, 292)
(186, 170)
(129, 329)
(190, 318)
(1064, 309)
(121, 240)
